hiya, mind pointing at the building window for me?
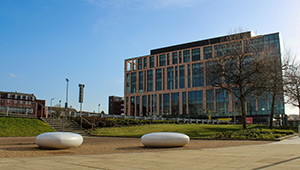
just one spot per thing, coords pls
(198, 75)
(137, 105)
(151, 61)
(175, 104)
(149, 80)
(168, 59)
(196, 54)
(207, 52)
(154, 104)
(144, 106)
(222, 102)
(186, 56)
(149, 106)
(181, 76)
(158, 79)
(189, 75)
(140, 64)
(174, 58)
(160, 104)
(180, 57)
(166, 104)
(162, 60)
(184, 104)
(210, 101)
(170, 78)
(141, 81)
(133, 82)
(145, 62)
(127, 83)
(132, 105)
(176, 77)
(196, 104)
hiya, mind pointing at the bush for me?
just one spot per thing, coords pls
(257, 134)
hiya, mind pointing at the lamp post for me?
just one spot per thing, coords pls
(67, 90)
(98, 108)
(51, 112)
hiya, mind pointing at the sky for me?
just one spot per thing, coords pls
(43, 42)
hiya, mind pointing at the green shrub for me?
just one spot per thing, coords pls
(261, 134)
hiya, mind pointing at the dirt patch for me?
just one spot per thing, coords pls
(26, 146)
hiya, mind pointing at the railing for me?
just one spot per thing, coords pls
(84, 119)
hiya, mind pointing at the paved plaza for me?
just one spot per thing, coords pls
(284, 154)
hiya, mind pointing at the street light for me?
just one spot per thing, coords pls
(98, 108)
(67, 90)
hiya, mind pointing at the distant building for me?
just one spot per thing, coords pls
(21, 103)
(172, 81)
(116, 105)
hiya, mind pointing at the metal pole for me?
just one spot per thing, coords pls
(51, 111)
(98, 108)
(81, 114)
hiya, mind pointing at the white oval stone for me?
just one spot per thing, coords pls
(165, 139)
(59, 140)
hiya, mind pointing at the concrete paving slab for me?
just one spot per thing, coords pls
(278, 155)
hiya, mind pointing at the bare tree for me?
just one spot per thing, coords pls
(292, 84)
(272, 68)
(237, 69)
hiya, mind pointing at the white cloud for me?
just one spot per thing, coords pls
(12, 75)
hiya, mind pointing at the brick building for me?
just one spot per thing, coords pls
(21, 103)
(116, 105)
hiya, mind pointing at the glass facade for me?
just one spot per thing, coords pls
(175, 104)
(196, 54)
(162, 60)
(144, 106)
(145, 62)
(184, 103)
(141, 81)
(127, 83)
(181, 76)
(176, 77)
(133, 82)
(170, 78)
(140, 64)
(189, 75)
(222, 102)
(149, 80)
(175, 57)
(186, 56)
(207, 52)
(166, 104)
(198, 75)
(137, 105)
(158, 79)
(210, 101)
(181, 85)
(151, 61)
(195, 104)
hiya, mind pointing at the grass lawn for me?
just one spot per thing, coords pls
(22, 127)
(203, 131)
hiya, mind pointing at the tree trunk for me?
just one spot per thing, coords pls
(272, 110)
(243, 113)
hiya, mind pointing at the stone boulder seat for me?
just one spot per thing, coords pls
(165, 139)
(59, 140)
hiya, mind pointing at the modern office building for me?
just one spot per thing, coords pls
(116, 105)
(172, 81)
(21, 103)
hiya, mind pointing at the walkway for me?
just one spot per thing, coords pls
(278, 155)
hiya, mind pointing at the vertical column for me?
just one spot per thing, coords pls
(180, 104)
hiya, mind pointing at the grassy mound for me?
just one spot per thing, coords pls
(22, 127)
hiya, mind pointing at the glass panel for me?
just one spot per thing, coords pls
(196, 104)
(181, 77)
(198, 75)
(170, 78)
(196, 54)
(149, 80)
(175, 104)
(158, 79)
(175, 57)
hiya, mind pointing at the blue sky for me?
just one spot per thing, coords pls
(42, 42)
